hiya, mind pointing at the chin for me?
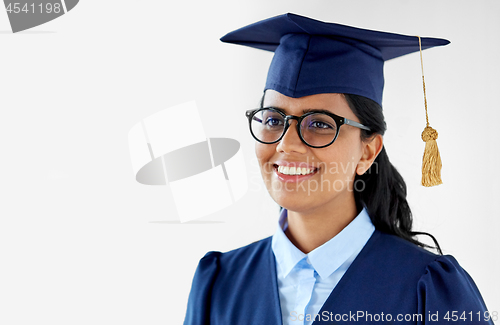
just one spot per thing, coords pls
(294, 201)
(309, 200)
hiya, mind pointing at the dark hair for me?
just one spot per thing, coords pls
(384, 190)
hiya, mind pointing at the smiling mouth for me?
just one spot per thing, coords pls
(294, 171)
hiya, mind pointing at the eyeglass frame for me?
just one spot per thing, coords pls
(339, 120)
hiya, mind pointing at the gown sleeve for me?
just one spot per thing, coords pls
(198, 309)
(448, 295)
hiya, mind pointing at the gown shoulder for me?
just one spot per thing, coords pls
(448, 293)
(219, 277)
(394, 276)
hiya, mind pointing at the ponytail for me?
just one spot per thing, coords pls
(384, 190)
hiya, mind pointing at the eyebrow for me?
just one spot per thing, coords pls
(304, 111)
(307, 110)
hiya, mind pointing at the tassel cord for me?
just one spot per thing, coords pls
(431, 161)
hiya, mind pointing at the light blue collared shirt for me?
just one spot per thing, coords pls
(306, 280)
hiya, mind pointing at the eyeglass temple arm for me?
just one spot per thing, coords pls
(356, 124)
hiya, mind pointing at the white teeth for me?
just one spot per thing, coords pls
(292, 170)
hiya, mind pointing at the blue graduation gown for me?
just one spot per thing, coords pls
(390, 277)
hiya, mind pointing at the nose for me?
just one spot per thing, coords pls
(291, 142)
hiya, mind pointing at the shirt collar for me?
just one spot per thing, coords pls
(328, 257)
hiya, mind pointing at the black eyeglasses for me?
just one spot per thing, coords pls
(316, 129)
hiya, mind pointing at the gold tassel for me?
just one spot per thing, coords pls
(431, 162)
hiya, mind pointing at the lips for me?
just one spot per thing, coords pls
(294, 171)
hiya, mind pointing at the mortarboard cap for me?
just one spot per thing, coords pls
(313, 57)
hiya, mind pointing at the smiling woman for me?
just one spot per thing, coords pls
(324, 199)
(344, 250)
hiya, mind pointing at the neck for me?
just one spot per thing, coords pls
(308, 230)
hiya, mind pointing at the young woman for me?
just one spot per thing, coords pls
(345, 251)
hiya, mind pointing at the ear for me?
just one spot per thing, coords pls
(371, 149)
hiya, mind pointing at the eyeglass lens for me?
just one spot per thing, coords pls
(317, 129)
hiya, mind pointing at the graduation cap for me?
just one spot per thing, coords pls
(313, 57)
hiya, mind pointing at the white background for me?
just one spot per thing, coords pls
(81, 242)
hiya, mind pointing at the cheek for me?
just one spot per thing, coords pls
(341, 161)
(264, 152)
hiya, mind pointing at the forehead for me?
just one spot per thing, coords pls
(332, 102)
